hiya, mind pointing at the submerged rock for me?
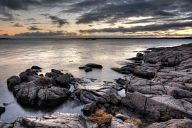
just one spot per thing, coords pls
(93, 65)
(90, 66)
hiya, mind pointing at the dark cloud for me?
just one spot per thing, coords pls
(121, 9)
(56, 20)
(33, 28)
(17, 25)
(24, 4)
(154, 27)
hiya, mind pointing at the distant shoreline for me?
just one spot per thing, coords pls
(84, 38)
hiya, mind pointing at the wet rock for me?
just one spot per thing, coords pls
(29, 75)
(89, 109)
(173, 123)
(12, 81)
(36, 67)
(59, 120)
(88, 69)
(39, 91)
(2, 108)
(64, 80)
(92, 65)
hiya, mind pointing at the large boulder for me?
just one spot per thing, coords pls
(38, 91)
(173, 123)
(158, 106)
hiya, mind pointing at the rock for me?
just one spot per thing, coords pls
(6, 125)
(39, 91)
(89, 109)
(123, 70)
(158, 107)
(56, 120)
(115, 98)
(171, 60)
(118, 123)
(138, 58)
(120, 81)
(140, 55)
(36, 67)
(88, 69)
(143, 74)
(12, 81)
(64, 80)
(173, 123)
(92, 65)
(29, 75)
(2, 108)
(178, 93)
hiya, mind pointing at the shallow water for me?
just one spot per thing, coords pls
(66, 55)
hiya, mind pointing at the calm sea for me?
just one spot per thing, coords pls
(66, 55)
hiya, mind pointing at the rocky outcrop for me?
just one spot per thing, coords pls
(39, 91)
(158, 106)
(90, 66)
(161, 86)
(174, 123)
(56, 120)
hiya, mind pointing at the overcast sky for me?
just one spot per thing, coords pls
(129, 18)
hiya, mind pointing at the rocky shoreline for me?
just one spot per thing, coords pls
(157, 94)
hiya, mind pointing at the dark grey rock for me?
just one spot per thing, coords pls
(89, 109)
(36, 67)
(92, 65)
(88, 69)
(12, 81)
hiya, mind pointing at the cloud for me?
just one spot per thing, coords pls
(33, 28)
(117, 10)
(24, 4)
(50, 34)
(56, 20)
(17, 25)
(153, 27)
